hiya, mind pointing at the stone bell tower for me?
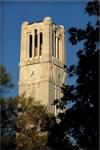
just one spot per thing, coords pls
(42, 59)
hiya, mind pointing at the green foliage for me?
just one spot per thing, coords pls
(5, 80)
(8, 122)
(81, 121)
(32, 121)
(8, 111)
(24, 123)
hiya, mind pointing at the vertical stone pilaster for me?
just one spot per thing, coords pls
(38, 48)
(33, 44)
(54, 43)
(63, 45)
(23, 53)
(56, 47)
(27, 46)
(60, 50)
(47, 37)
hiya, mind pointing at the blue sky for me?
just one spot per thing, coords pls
(69, 14)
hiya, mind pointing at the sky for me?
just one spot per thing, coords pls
(13, 14)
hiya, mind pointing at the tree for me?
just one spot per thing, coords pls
(24, 122)
(8, 122)
(32, 123)
(7, 109)
(5, 80)
(81, 121)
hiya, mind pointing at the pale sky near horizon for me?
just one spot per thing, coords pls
(69, 14)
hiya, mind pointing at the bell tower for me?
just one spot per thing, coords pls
(42, 59)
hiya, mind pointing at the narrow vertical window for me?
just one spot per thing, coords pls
(58, 49)
(30, 46)
(36, 43)
(52, 44)
(55, 45)
(41, 43)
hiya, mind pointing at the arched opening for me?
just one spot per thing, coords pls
(36, 43)
(41, 43)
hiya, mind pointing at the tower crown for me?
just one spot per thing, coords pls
(48, 19)
(42, 41)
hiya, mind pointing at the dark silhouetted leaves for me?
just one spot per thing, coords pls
(5, 80)
(80, 120)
